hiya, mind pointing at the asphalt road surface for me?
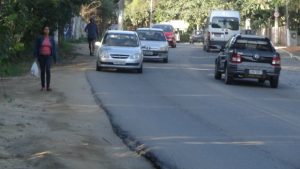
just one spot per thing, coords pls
(186, 119)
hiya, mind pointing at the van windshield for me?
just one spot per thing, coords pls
(225, 22)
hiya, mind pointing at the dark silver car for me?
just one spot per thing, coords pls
(196, 36)
(154, 44)
(248, 56)
(120, 50)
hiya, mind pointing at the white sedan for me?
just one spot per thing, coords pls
(120, 50)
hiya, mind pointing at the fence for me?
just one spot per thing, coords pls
(270, 33)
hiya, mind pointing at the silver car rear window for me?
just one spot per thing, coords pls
(149, 35)
(257, 44)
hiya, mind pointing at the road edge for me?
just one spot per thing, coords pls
(289, 53)
(131, 142)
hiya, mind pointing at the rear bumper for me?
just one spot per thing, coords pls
(198, 39)
(216, 44)
(157, 55)
(171, 42)
(243, 71)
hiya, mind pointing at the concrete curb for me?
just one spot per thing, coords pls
(290, 54)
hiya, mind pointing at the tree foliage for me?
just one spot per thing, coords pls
(103, 11)
(22, 20)
(195, 11)
(137, 13)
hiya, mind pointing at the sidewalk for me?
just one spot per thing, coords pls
(293, 51)
(62, 129)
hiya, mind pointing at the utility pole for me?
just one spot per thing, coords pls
(121, 5)
(151, 12)
(287, 23)
(276, 15)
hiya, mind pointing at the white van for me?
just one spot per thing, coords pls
(220, 26)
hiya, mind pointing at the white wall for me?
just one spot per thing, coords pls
(78, 27)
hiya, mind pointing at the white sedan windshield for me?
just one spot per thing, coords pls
(123, 40)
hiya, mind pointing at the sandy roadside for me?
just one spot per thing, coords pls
(62, 129)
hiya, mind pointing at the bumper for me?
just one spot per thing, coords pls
(260, 72)
(197, 39)
(155, 55)
(171, 42)
(216, 44)
(120, 64)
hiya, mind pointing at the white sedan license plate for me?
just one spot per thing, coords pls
(255, 72)
(119, 62)
(148, 53)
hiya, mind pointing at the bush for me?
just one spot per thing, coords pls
(185, 37)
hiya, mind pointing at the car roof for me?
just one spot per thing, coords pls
(162, 24)
(225, 13)
(121, 32)
(251, 36)
(149, 29)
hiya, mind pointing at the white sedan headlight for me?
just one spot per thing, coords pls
(164, 48)
(104, 54)
(135, 56)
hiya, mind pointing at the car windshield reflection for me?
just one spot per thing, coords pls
(121, 40)
(151, 35)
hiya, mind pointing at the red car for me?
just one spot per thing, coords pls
(169, 33)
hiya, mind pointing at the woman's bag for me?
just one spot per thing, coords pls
(35, 71)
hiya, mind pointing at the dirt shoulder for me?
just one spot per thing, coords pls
(62, 129)
(294, 51)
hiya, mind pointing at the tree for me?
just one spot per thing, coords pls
(137, 13)
(104, 12)
(21, 21)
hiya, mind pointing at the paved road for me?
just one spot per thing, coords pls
(189, 120)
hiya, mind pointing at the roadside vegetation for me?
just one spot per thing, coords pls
(21, 21)
(261, 12)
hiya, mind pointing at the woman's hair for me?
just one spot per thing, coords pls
(42, 30)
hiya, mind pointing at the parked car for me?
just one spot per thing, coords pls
(196, 36)
(247, 32)
(154, 44)
(120, 50)
(248, 56)
(169, 33)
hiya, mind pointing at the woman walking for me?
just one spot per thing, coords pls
(45, 50)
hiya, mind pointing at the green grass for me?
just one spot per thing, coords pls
(15, 68)
(64, 51)
(185, 37)
(21, 66)
(65, 47)
(80, 40)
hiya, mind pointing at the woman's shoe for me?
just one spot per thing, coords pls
(49, 89)
(42, 89)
